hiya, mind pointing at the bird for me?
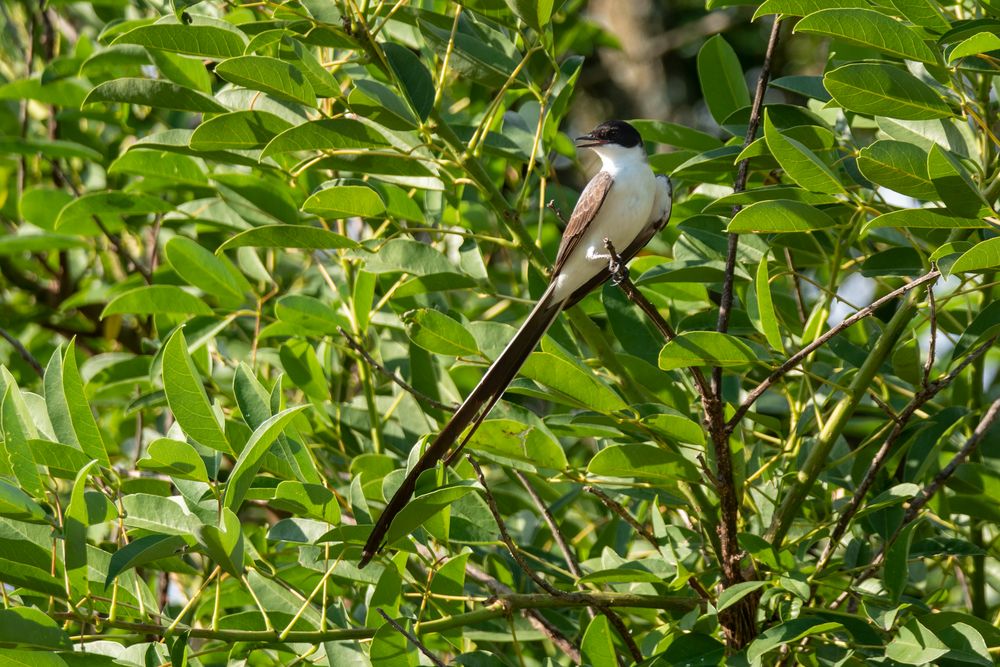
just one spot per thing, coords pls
(625, 204)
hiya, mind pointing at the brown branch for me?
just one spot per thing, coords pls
(623, 281)
(794, 360)
(410, 637)
(534, 576)
(22, 351)
(410, 389)
(800, 306)
(502, 591)
(643, 532)
(618, 509)
(560, 539)
(918, 401)
(924, 495)
(970, 445)
(739, 185)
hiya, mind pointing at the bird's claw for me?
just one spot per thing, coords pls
(619, 272)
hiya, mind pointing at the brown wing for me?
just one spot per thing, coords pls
(586, 208)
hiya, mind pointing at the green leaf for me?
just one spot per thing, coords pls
(694, 649)
(345, 201)
(18, 431)
(923, 218)
(153, 93)
(157, 514)
(156, 300)
(767, 315)
(198, 266)
(868, 27)
(570, 379)
(413, 77)
(16, 504)
(924, 13)
(803, 7)
(204, 41)
(597, 646)
(249, 461)
(799, 163)
(721, 76)
(705, 348)
(737, 592)
(239, 130)
(643, 462)
(53, 148)
(407, 256)
(884, 90)
(76, 217)
(312, 500)
(787, 633)
(141, 551)
(510, 439)
(68, 408)
(288, 236)
(422, 508)
(270, 75)
(436, 332)
(673, 134)
(985, 325)
(779, 216)
(27, 626)
(896, 569)
(983, 42)
(332, 134)
(954, 184)
(899, 166)
(75, 524)
(187, 398)
(224, 543)
(916, 645)
(677, 427)
(310, 314)
(175, 458)
(160, 164)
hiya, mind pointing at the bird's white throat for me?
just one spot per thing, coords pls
(615, 157)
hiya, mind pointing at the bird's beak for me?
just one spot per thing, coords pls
(589, 141)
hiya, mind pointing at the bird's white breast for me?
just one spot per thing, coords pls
(622, 217)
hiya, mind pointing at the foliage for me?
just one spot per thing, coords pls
(253, 254)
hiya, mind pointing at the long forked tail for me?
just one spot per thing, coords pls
(472, 411)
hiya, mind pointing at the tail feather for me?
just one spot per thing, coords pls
(473, 411)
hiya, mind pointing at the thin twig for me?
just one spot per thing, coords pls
(534, 576)
(550, 521)
(410, 637)
(924, 495)
(501, 591)
(970, 445)
(623, 281)
(918, 401)
(618, 509)
(740, 184)
(794, 360)
(505, 537)
(22, 351)
(800, 305)
(420, 396)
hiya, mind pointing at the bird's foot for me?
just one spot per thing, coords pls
(619, 272)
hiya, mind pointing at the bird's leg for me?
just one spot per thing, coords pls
(618, 269)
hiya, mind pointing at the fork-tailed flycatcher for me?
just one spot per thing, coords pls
(624, 203)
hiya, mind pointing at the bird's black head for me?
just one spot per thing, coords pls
(616, 132)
